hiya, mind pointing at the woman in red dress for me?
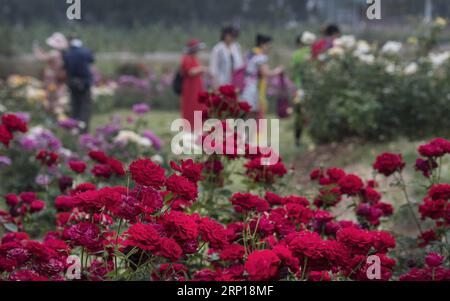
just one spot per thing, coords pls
(192, 72)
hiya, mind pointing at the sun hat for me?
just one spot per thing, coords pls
(194, 45)
(57, 41)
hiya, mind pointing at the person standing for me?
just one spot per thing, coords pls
(330, 33)
(299, 61)
(54, 74)
(256, 75)
(226, 58)
(192, 72)
(77, 63)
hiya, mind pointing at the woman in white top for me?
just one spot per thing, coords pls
(226, 58)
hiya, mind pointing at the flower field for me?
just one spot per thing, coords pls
(115, 205)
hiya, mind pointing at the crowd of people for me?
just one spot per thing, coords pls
(249, 74)
(69, 66)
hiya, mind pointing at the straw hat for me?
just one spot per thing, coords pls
(57, 41)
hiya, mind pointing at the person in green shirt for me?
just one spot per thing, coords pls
(299, 62)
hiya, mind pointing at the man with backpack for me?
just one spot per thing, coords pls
(77, 63)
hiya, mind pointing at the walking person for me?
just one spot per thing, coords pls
(256, 76)
(54, 76)
(192, 72)
(226, 58)
(77, 63)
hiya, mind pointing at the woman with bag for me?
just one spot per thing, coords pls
(191, 71)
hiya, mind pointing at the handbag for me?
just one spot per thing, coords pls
(283, 103)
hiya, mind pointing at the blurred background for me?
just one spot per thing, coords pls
(113, 28)
(382, 101)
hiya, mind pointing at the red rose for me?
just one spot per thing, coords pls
(127, 208)
(180, 226)
(170, 249)
(316, 174)
(85, 234)
(212, 232)
(273, 199)
(182, 187)
(47, 158)
(262, 265)
(247, 202)
(64, 203)
(189, 169)
(232, 252)
(335, 174)
(387, 164)
(88, 201)
(98, 156)
(14, 123)
(150, 199)
(5, 135)
(427, 237)
(382, 241)
(78, 166)
(28, 197)
(351, 185)
(144, 237)
(116, 167)
(434, 260)
(228, 91)
(146, 173)
(440, 191)
(436, 148)
(11, 200)
(359, 241)
(426, 166)
(102, 171)
(37, 206)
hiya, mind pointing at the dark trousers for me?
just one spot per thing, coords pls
(81, 107)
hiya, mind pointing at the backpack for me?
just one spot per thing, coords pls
(177, 84)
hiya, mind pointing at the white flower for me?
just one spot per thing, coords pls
(308, 38)
(346, 42)
(391, 68)
(362, 47)
(411, 68)
(366, 58)
(336, 51)
(392, 47)
(126, 137)
(157, 159)
(189, 145)
(437, 59)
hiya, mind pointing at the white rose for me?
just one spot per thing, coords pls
(392, 47)
(437, 59)
(308, 38)
(346, 42)
(411, 68)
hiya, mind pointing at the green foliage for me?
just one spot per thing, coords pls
(348, 98)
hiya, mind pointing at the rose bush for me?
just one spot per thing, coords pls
(143, 221)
